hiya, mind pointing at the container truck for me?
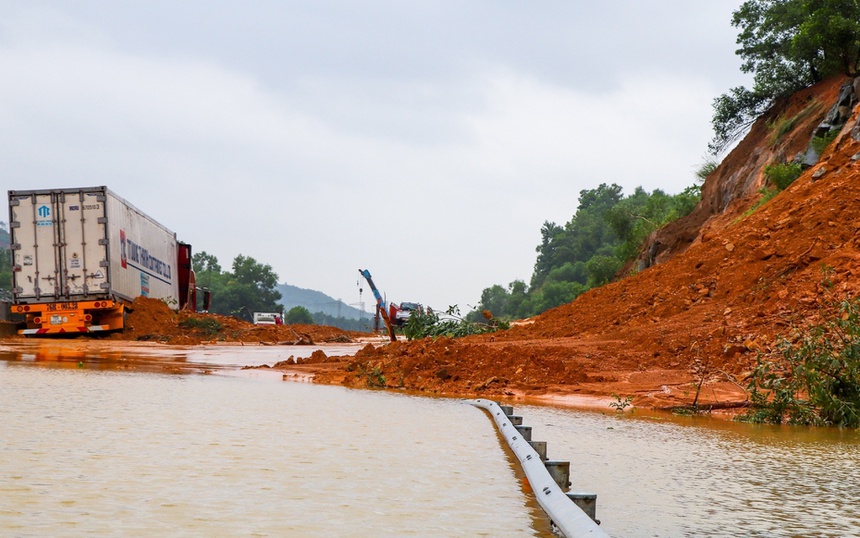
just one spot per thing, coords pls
(80, 256)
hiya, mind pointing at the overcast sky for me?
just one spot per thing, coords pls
(427, 141)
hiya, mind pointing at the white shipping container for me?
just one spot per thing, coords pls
(87, 244)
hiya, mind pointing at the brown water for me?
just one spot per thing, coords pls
(130, 441)
(86, 451)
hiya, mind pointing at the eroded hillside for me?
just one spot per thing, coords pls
(731, 283)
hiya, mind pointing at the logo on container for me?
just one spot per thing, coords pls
(44, 212)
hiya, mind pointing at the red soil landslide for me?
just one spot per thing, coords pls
(152, 319)
(703, 315)
(725, 286)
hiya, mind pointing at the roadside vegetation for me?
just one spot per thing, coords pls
(816, 380)
(347, 324)
(429, 324)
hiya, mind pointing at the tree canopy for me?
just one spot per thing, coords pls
(5, 273)
(250, 286)
(299, 315)
(787, 45)
(606, 231)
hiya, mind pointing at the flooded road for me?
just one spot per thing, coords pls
(101, 452)
(111, 439)
(681, 476)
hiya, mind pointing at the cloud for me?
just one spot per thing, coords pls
(427, 144)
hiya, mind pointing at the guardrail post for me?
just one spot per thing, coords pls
(525, 431)
(560, 472)
(586, 501)
(540, 448)
(568, 519)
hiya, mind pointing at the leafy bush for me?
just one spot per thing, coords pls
(373, 376)
(430, 324)
(782, 175)
(817, 382)
(206, 325)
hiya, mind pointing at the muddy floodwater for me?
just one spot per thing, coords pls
(107, 439)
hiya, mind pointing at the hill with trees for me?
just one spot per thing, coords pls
(751, 300)
(251, 286)
(317, 301)
(602, 238)
(324, 310)
(788, 45)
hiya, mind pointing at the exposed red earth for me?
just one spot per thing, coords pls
(725, 285)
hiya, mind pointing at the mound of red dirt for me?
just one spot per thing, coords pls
(152, 319)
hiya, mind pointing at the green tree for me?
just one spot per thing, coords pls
(787, 45)
(5, 262)
(602, 269)
(581, 237)
(637, 216)
(518, 305)
(206, 268)
(299, 315)
(5, 273)
(208, 273)
(250, 287)
(553, 294)
(606, 231)
(495, 299)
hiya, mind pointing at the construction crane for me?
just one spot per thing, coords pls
(380, 304)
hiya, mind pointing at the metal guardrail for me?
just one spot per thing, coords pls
(569, 518)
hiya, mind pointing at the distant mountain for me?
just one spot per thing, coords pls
(317, 301)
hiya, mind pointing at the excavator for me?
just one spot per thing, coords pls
(380, 304)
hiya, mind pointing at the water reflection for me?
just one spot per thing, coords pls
(90, 448)
(704, 477)
(154, 357)
(112, 453)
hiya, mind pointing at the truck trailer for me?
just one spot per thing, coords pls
(81, 256)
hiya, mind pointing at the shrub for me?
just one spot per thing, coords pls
(817, 380)
(206, 325)
(782, 175)
(430, 324)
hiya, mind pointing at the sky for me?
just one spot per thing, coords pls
(425, 141)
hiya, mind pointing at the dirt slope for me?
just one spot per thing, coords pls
(725, 284)
(738, 282)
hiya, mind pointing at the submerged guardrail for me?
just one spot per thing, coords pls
(545, 477)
